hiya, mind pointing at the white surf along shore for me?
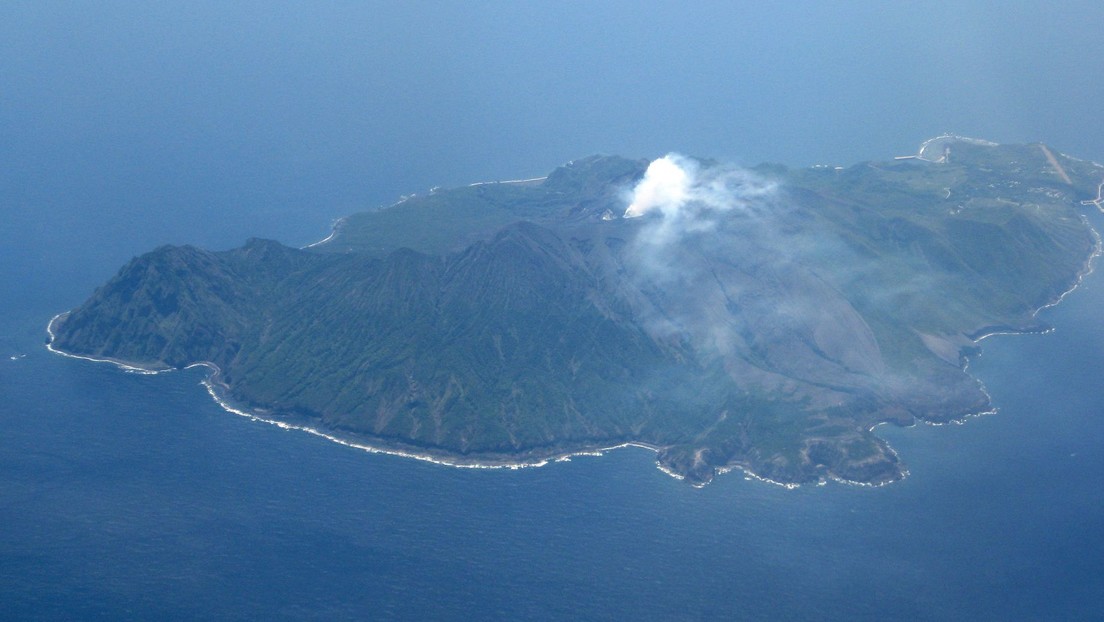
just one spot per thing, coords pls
(215, 390)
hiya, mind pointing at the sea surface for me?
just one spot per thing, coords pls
(129, 496)
(125, 125)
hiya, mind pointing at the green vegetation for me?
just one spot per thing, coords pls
(509, 320)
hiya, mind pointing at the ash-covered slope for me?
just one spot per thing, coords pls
(763, 319)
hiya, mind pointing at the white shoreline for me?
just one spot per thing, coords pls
(391, 451)
(363, 446)
(507, 181)
(1086, 270)
(212, 391)
(333, 231)
(210, 386)
(130, 369)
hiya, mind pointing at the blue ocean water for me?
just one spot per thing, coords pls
(125, 125)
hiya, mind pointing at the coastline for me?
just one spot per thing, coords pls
(127, 366)
(214, 389)
(333, 231)
(1041, 329)
(989, 331)
(357, 441)
(1038, 329)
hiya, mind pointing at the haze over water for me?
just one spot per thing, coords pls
(123, 127)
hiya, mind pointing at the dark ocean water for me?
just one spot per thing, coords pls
(125, 125)
(125, 496)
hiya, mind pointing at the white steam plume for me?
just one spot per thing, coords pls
(666, 186)
(688, 197)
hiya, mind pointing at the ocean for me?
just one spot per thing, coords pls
(136, 497)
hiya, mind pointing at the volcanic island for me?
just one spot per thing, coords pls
(763, 319)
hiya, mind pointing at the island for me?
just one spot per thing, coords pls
(762, 319)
